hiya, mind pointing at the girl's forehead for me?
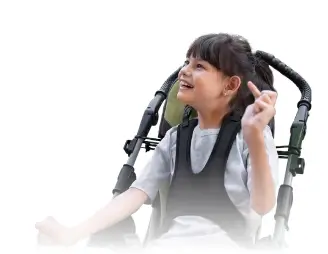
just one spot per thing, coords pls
(196, 58)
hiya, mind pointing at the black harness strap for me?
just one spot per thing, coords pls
(204, 194)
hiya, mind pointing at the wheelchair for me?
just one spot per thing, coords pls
(174, 112)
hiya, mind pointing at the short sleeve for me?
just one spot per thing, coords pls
(272, 157)
(158, 169)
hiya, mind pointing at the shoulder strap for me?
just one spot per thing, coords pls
(230, 127)
(184, 135)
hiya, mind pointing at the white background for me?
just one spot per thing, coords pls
(76, 77)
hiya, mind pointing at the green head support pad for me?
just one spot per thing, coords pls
(173, 111)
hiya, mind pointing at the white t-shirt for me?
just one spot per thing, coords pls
(160, 168)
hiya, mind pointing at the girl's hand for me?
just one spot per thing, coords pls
(258, 115)
(57, 233)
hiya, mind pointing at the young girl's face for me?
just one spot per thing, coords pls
(201, 85)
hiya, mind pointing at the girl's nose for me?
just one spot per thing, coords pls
(185, 71)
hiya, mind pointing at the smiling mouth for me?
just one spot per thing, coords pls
(184, 84)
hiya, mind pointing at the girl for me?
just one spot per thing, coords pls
(219, 77)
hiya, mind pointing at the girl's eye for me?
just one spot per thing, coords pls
(199, 66)
(186, 62)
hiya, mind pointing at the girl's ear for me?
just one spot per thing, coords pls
(233, 84)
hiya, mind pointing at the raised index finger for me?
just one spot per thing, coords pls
(256, 92)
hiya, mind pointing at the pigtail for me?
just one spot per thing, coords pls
(264, 79)
(263, 74)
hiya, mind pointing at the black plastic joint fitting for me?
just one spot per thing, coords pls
(305, 103)
(284, 202)
(125, 178)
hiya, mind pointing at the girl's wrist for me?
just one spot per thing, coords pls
(75, 234)
(253, 137)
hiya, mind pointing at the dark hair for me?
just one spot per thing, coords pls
(232, 55)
